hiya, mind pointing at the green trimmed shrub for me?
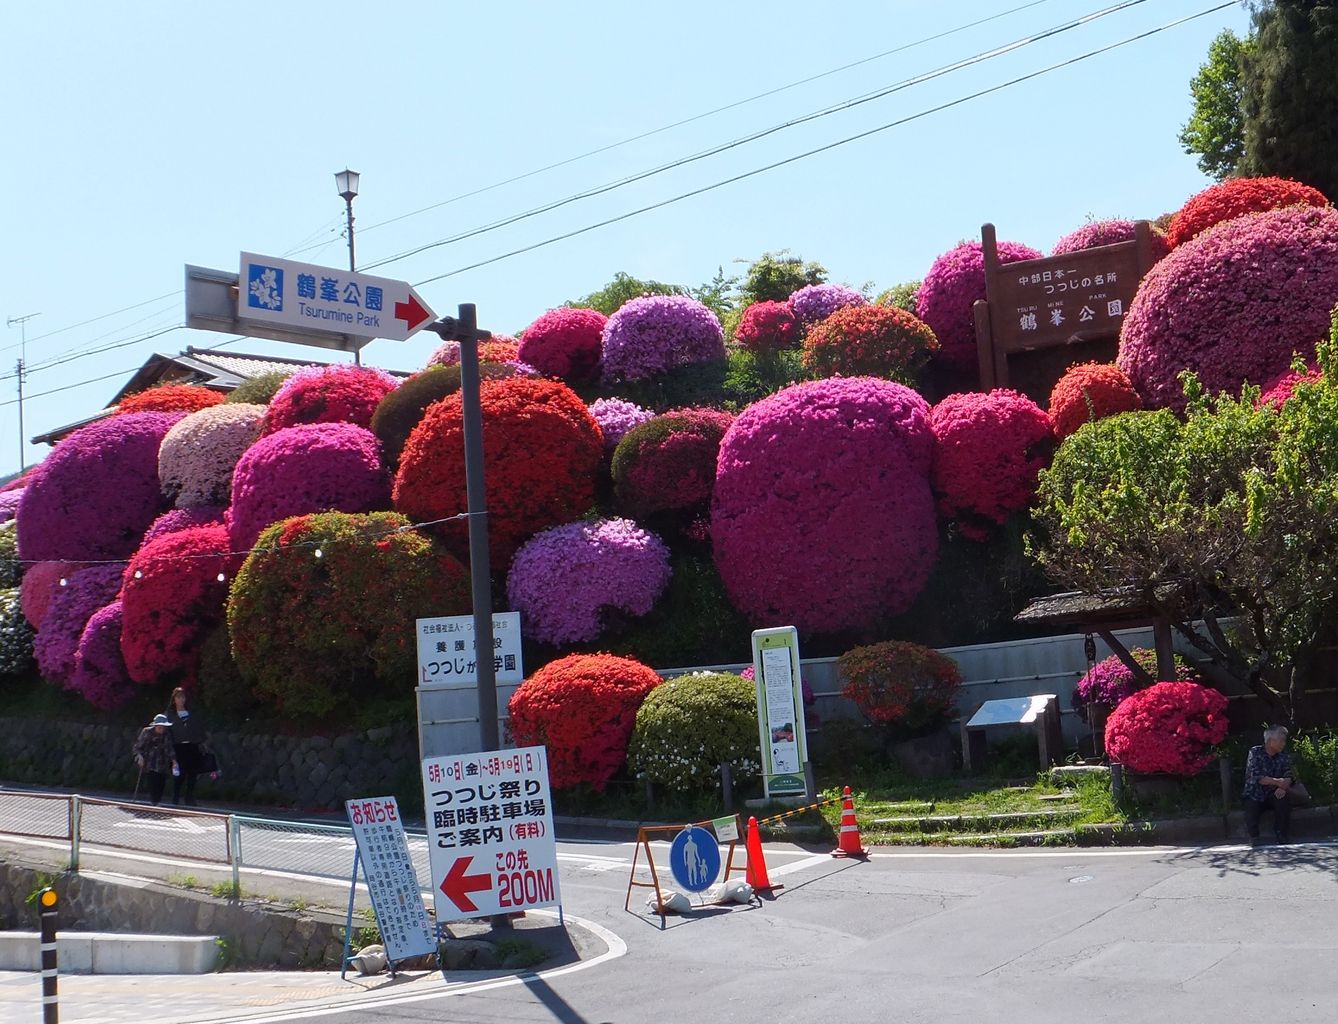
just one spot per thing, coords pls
(690, 725)
(751, 376)
(16, 636)
(259, 390)
(222, 687)
(900, 296)
(693, 623)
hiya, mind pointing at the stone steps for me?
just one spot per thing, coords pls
(109, 953)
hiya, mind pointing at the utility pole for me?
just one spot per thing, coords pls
(20, 370)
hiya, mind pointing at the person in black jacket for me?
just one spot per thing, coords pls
(188, 740)
(153, 754)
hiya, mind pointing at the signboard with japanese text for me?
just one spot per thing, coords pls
(287, 294)
(392, 881)
(490, 833)
(446, 655)
(780, 715)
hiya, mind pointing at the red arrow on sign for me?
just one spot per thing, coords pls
(457, 885)
(411, 312)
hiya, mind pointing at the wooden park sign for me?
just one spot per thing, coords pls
(1055, 300)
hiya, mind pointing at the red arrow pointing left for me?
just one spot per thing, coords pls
(411, 312)
(457, 885)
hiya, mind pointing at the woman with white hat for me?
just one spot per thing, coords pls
(154, 755)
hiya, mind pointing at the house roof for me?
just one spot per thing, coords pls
(1122, 606)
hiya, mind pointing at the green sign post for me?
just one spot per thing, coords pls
(780, 712)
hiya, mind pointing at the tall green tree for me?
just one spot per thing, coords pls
(623, 287)
(1215, 131)
(774, 276)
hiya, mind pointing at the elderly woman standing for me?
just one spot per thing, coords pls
(154, 755)
(1268, 780)
(188, 741)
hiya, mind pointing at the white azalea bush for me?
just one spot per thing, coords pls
(16, 636)
(690, 725)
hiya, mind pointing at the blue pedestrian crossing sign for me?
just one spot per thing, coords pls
(694, 858)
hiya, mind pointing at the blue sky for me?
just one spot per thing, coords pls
(145, 136)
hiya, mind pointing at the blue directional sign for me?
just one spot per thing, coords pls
(694, 858)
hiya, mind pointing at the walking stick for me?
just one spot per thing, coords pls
(135, 795)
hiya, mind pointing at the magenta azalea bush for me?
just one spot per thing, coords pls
(816, 302)
(178, 519)
(616, 417)
(99, 670)
(1110, 681)
(196, 458)
(97, 492)
(1277, 391)
(1107, 232)
(565, 342)
(336, 393)
(822, 516)
(316, 467)
(1233, 304)
(72, 605)
(566, 581)
(949, 291)
(656, 333)
(1170, 727)
(988, 451)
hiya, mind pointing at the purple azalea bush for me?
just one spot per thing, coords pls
(822, 516)
(99, 669)
(197, 456)
(656, 333)
(949, 291)
(72, 605)
(563, 579)
(616, 417)
(9, 504)
(1233, 304)
(816, 302)
(177, 519)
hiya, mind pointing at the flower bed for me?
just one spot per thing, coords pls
(668, 463)
(184, 398)
(816, 302)
(767, 327)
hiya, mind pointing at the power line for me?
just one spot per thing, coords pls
(104, 316)
(829, 146)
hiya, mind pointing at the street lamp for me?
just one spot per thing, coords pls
(347, 183)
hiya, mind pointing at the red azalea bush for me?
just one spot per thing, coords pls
(99, 669)
(900, 684)
(183, 519)
(338, 393)
(822, 516)
(322, 635)
(767, 327)
(542, 449)
(1107, 232)
(310, 468)
(668, 463)
(1281, 387)
(583, 708)
(1169, 727)
(72, 604)
(38, 586)
(185, 398)
(564, 342)
(880, 341)
(1089, 392)
(988, 451)
(949, 291)
(175, 588)
(500, 348)
(1233, 305)
(198, 455)
(97, 492)
(1236, 197)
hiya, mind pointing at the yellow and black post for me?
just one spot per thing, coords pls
(46, 901)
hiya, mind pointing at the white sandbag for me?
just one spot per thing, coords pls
(736, 890)
(674, 903)
(370, 960)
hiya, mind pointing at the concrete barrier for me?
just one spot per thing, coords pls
(107, 953)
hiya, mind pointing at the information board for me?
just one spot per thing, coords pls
(446, 655)
(490, 832)
(780, 714)
(392, 881)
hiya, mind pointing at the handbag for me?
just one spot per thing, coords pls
(1298, 794)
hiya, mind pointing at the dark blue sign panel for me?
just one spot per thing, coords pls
(694, 858)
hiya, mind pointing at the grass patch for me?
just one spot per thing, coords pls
(519, 953)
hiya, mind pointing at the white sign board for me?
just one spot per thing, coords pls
(490, 833)
(780, 711)
(283, 293)
(392, 881)
(446, 655)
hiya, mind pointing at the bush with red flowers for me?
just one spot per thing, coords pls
(72, 604)
(175, 588)
(822, 516)
(1088, 392)
(314, 467)
(564, 342)
(988, 451)
(1231, 306)
(337, 393)
(403, 409)
(99, 668)
(910, 688)
(97, 492)
(183, 519)
(198, 455)
(668, 463)
(1107, 232)
(542, 449)
(1236, 197)
(317, 635)
(657, 333)
(1281, 387)
(767, 327)
(583, 708)
(185, 398)
(500, 348)
(1169, 727)
(880, 341)
(949, 291)
(38, 587)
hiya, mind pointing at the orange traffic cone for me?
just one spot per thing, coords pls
(850, 844)
(756, 875)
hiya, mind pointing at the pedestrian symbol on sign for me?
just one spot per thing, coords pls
(694, 859)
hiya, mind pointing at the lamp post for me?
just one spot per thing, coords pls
(347, 183)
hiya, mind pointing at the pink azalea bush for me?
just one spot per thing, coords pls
(1236, 197)
(949, 291)
(565, 580)
(337, 393)
(315, 467)
(616, 417)
(1233, 305)
(9, 504)
(196, 458)
(814, 303)
(1107, 232)
(1170, 727)
(183, 519)
(1277, 391)
(97, 492)
(767, 327)
(988, 451)
(500, 348)
(38, 586)
(72, 605)
(668, 463)
(565, 342)
(822, 516)
(99, 669)
(655, 333)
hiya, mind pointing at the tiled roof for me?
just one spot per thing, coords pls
(246, 366)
